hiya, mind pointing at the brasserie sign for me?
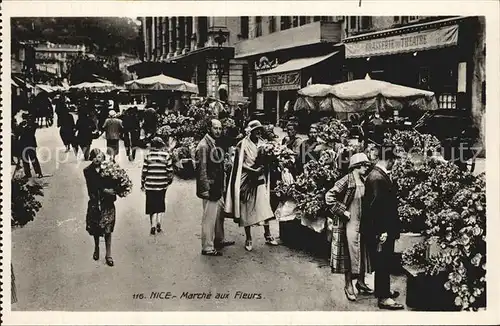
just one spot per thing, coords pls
(281, 81)
(417, 41)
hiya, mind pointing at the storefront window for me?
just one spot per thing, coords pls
(302, 20)
(447, 101)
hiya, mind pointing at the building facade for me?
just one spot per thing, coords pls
(46, 63)
(442, 54)
(284, 54)
(192, 49)
(189, 48)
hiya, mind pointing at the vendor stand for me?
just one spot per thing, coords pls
(341, 102)
(165, 92)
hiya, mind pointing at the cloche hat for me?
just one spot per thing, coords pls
(358, 160)
(254, 124)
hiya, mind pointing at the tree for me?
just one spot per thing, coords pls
(83, 67)
(101, 35)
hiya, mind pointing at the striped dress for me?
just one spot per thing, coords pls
(157, 175)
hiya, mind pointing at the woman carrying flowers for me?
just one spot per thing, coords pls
(247, 199)
(101, 208)
(349, 253)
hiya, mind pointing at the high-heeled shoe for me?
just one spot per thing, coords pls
(349, 296)
(248, 245)
(96, 255)
(364, 289)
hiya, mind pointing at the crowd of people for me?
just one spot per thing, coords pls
(364, 223)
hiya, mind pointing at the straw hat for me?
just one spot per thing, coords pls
(112, 113)
(358, 160)
(254, 124)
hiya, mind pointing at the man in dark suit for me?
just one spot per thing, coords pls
(381, 225)
(210, 183)
(27, 144)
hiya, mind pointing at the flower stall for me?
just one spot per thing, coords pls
(442, 209)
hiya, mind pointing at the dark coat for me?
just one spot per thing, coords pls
(209, 169)
(101, 214)
(380, 206)
(26, 131)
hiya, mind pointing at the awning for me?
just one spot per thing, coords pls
(287, 76)
(419, 37)
(305, 35)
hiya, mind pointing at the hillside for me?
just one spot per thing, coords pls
(101, 35)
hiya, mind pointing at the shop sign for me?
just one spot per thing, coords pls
(49, 68)
(417, 41)
(281, 82)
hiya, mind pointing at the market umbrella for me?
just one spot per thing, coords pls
(367, 95)
(162, 82)
(95, 87)
(43, 88)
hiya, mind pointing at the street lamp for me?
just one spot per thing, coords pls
(219, 64)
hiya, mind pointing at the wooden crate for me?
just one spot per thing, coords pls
(426, 292)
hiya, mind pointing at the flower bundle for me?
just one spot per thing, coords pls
(310, 187)
(285, 157)
(181, 153)
(116, 178)
(413, 141)
(266, 156)
(24, 204)
(196, 112)
(332, 131)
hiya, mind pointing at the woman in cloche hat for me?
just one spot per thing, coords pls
(349, 254)
(254, 209)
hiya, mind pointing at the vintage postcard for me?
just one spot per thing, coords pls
(232, 162)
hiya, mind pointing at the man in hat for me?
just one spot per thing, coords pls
(131, 131)
(113, 128)
(381, 224)
(27, 145)
(210, 183)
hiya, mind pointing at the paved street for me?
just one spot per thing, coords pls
(52, 256)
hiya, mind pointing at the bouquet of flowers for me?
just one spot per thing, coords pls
(116, 178)
(412, 140)
(285, 157)
(196, 112)
(165, 131)
(332, 131)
